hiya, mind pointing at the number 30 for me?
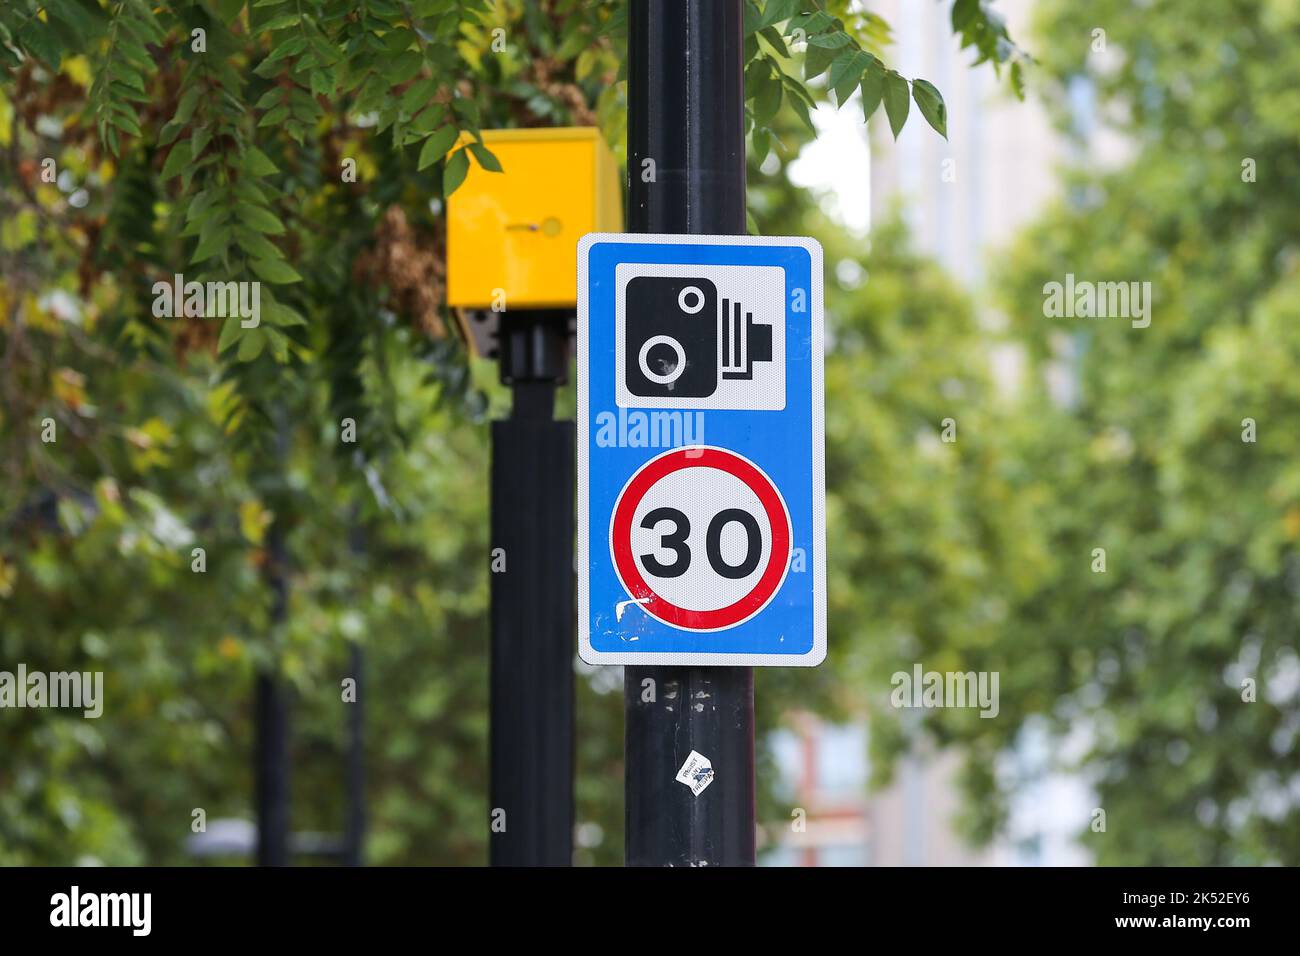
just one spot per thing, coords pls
(676, 542)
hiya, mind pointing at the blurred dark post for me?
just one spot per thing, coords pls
(272, 771)
(532, 600)
(271, 707)
(686, 112)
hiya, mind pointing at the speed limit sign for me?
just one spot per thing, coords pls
(723, 526)
(700, 471)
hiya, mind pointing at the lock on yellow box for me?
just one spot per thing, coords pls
(515, 233)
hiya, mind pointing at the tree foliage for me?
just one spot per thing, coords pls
(1173, 447)
(238, 122)
(142, 140)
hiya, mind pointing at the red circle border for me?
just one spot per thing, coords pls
(778, 517)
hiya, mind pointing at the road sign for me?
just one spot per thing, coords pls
(701, 493)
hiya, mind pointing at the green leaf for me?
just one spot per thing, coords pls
(767, 99)
(280, 21)
(251, 345)
(248, 190)
(38, 39)
(126, 122)
(279, 344)
(275, 116)
(454, 173)
(118, 71)
(846, 71)
(213, 245)
(817, 59)
(278, 314)
(291, 47)
(419, 94)
(896, 101)
(794, 88)
(436, 146)
(831, 41)
(185, 108)
(574, 44)
(229, 9)
(257, 246)
(403, 67)
(777, 11)
(325, 52)
(430, 118)
(275, 270)
(255, 217)
(814, 21)
(169, 132)
(229, 333)
(1017, 80)
(873, 88)
(201, 202)
(801, 110)
(964, 13)
(930, 102)
(395, 41)
(323, 82)
(774, 39)
(177, 160)
(268, 99)
(467, 110)
(199, 139)
(485, 157)
(256, 163)
(70, 21)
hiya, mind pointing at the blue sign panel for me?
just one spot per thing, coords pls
(701, 491)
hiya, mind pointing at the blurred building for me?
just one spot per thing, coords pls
(836, 821)
(962, 198)
(965, 196)
(824, 772)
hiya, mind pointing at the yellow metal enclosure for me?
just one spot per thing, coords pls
(512, 236)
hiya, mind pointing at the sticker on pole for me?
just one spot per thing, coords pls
(696, 773)
(701, 506)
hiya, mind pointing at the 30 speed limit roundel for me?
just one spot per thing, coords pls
(700, 538)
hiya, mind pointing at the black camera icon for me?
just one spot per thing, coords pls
(680, 340)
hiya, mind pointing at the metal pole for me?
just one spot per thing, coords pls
(271, 715)
(686, 115)
(271, 706)
(532, 590)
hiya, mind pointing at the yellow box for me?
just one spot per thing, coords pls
(517, 230)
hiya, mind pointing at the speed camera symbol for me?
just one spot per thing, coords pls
(680, 340)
